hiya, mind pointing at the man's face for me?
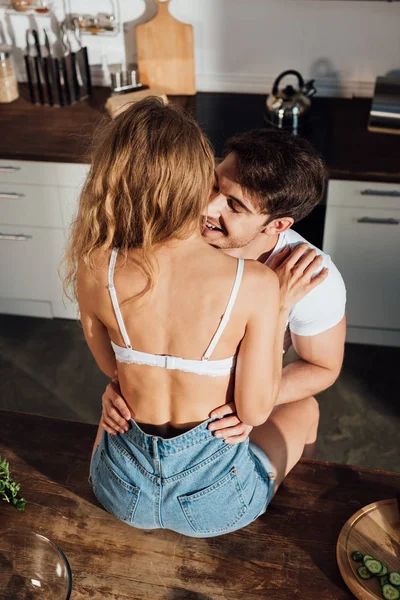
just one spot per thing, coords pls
(232, 219)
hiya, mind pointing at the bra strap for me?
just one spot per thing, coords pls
(227, 314)
(114, 299)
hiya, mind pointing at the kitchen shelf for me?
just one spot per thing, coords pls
(114, 12)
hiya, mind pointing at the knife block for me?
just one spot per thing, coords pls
(55, 81)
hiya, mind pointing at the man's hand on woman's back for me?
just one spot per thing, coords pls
(116, 414)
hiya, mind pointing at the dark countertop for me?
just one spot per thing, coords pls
(337, 128)
(289, 552)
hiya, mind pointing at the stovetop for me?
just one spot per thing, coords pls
(222, 116)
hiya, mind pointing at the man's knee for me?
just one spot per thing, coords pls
(313, 408)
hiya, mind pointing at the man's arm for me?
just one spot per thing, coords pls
(318, 366)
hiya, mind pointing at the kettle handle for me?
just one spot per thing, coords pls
(282, 75)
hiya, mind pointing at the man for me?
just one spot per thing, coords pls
(268, 181)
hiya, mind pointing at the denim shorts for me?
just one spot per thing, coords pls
(193, 484)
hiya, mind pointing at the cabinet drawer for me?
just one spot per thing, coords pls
(27, 171)
(43, 173)
(29, 260)
(363, 194)
(32, 205)
(364, 244)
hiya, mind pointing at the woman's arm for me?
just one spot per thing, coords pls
(95, 331)
(259, 363)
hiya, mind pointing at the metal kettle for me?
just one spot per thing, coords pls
(287, 107)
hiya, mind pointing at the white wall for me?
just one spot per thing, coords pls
(241, 45)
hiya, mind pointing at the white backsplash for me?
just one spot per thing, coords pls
(241, 46)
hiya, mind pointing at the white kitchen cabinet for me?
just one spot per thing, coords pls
(36, 205)
(28, 171)
(38, 201)
(29, 258)
(362, 235)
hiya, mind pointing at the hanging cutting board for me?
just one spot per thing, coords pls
(165, 53)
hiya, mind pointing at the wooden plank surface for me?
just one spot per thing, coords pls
(289, 552)
(165, 52)
(31, 132)
(373, 530)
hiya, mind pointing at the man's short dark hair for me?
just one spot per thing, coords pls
(282, 173)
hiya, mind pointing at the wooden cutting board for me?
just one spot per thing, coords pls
(374, 530)
(165, 53)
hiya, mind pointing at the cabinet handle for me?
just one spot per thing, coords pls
(389, 221)
(15, 237)
(11, 195)
(390, 193)
(8, 169)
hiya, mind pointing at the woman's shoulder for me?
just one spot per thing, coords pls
(255, 273)
(92, 273)
(260, 286)
(258, 274)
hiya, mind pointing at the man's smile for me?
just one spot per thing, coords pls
(211, 228)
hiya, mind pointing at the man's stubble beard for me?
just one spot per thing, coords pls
(231, 243)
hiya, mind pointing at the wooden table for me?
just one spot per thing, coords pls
(287, 553)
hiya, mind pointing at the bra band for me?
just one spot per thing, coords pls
(129, 355)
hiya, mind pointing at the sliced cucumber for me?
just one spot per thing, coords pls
(383, 580)
(394, 578)
(384, 570)
(374, 566)
(357, 556)
(363, 572)
(367, 557)
(389, 592)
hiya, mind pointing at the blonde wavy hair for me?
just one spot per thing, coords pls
(150, 178)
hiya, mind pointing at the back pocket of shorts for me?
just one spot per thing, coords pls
(216, 508)
(116, 495)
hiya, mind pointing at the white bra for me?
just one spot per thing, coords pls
(215, 368)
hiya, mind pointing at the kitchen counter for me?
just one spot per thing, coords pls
(290, 551)
(338, 129)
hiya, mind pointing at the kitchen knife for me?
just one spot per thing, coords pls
(75, 76)
(66, 64)
(82, 60)
(29, 78)
(87, 70)
(48, 69)
(28, 65)
(37, 60)
(64, 71)
(57, 71)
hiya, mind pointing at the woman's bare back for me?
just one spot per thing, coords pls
(178, 318)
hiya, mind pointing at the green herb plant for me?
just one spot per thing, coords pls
(9, 488)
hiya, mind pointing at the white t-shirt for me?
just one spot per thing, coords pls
(325, 305)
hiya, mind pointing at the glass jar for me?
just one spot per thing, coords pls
(8, 80)
(21, 5)
(42, 6)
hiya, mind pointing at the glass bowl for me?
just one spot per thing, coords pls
(31, 567)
